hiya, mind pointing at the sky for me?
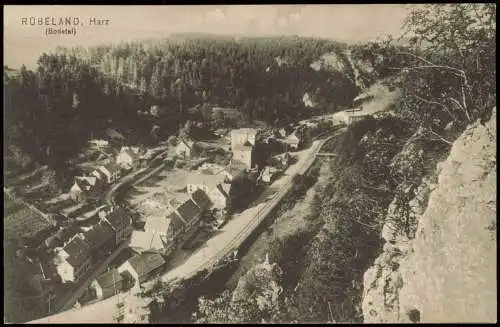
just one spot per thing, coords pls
(23, 44)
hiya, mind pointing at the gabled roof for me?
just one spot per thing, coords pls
(201, 199)
(146, 240)
(241, 147)
(226, 187)
(145, 263)
(209, 181)
(109, 280)
(78, 250)
(293, 137)
(156, 224)
(188, 210)
(119, 219)
(221, 190)
(98, 173)
(76, 187)
(245, 131)
(90, 180)
(100, 234)
(176, 223)
(112, 167)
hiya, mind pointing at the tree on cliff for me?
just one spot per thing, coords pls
(451, 76)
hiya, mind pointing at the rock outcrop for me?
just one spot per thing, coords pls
(446, 271)
(261, 282)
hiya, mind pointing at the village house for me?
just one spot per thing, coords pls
(143, 266)
(176, 227)
(101, 239)
(243, 154)
(308, 101)
(204, 182)
(189, 212)
(99, 175)
(285, 131)
(147, 241)
(184, 148)
(156, 224)
(220, 196)
(293, 141)
(111, 172)
(201, 199)
(243, 136)
(213, 186)
(127, 158)
(107, 284)
(73, 260)
(267, 174)
(121, 223)
(99, 144)
(76, 192)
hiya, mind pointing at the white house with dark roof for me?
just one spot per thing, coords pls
(107, 284)
(184, 148)
(204, 182)
(111, 172)
(76, 192)
(143, 266)
(74, 259)
(213, 186)
(120, 221)
(293, 140)
(127, 158)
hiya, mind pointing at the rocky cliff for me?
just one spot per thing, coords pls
(444, 270)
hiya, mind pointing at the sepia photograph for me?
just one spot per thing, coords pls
(239, 164)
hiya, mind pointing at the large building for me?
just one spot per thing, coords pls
(244, 136)
(244, 154)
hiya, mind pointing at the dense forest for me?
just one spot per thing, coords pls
(76, 93)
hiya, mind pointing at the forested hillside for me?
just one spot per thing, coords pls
(76, 93)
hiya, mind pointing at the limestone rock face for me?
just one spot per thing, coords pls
(447, 272)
